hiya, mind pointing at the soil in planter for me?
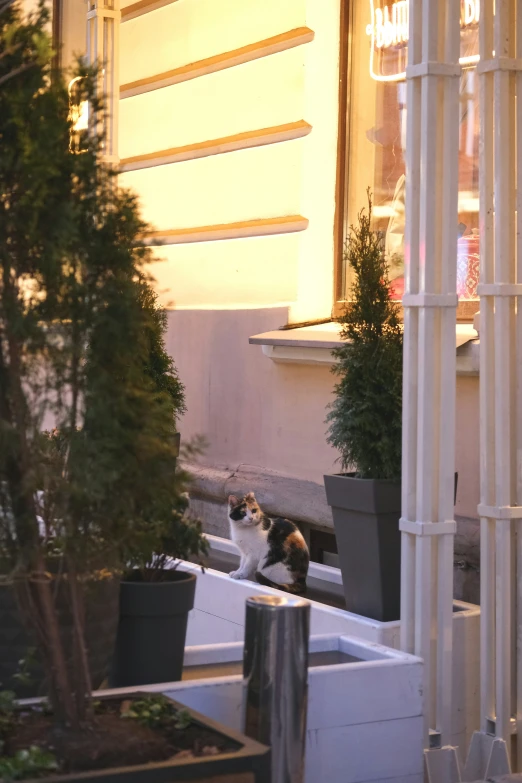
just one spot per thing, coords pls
(112, 741)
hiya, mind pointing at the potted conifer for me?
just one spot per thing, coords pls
(79, 333)
(155, 597)
(365, 426)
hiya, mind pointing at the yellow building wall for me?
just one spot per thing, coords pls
(228, 119)
(201, 76)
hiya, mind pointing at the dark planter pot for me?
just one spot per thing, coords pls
(366, 514)
(101, 623)
(152, 628)
(251, 757)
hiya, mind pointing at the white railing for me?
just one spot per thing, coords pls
(430, 303)
(493, 748)
(103, 36)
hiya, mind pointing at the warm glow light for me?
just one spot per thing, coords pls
(468, 202)
(389, 27)
(79, 116)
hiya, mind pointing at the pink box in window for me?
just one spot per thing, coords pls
(468, 265)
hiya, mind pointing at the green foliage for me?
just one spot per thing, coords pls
(155, 711)
(7, 702)
(25, 666)
(82, 343)
(30, 763)
(365, 418)
(7, 710)
(159, 366)
(183, 720)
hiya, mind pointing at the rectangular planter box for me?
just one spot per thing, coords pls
(251, 760)
(364, 720)
(219, 609)
(364, 715)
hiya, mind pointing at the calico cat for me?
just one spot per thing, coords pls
(272, 550)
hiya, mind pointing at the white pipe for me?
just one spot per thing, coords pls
(411, 326)
(487, 378)
(429, 356)
(518, 381)
(501, 353)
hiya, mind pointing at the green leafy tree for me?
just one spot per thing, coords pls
(365, 418)
(81, 346)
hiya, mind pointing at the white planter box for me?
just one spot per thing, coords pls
(219, 616)
(364, 717)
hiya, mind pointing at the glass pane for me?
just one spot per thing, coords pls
(377, 133)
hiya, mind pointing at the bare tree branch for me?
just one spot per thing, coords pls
(10, 50)
(16, 72)
(6, 4)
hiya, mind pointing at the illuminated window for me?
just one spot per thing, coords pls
(376, 133)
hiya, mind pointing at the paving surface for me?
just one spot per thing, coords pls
(502, 779)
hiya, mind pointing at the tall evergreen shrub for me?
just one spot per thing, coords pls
(81, 345)
(365, 418)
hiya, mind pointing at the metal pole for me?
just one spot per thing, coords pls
(275, 684)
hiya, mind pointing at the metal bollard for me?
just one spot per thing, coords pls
(275, 680)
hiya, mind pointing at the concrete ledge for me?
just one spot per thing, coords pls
(298, 499)
(314, 345)
(329, 336)
(286, 496)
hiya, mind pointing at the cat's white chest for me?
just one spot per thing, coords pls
(252, 541)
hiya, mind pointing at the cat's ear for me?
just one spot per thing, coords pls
(250, 497)
(232, 500)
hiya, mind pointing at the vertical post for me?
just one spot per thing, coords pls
(500, 509)
(275, 671)
(430, 302)
(103, 36)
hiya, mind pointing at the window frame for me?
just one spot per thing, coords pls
(466, 308)
(56, 32)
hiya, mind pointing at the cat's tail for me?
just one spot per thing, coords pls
(297, 588)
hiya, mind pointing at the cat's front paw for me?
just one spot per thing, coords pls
(236, 575)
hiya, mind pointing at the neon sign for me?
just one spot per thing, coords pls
(389, 25)
(389, 30)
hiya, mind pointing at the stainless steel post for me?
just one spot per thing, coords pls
(275, 680)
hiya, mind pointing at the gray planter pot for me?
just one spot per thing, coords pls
(153, 626)
(366, 515)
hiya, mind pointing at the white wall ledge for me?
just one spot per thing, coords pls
(314, 345)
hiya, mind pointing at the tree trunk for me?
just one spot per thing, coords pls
(34, 583)
(81, 676)
(63, 703)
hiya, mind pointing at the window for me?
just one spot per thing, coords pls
(373, 137)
